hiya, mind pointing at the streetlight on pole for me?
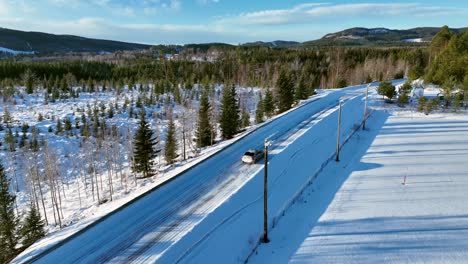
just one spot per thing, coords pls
(265, 193)
(365, 109)
(338, 134)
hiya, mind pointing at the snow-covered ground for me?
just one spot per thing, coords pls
(153, 227)
(398, 195)
(414, 40)
(79, 207)
(15, 52)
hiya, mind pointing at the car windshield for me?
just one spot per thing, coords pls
(248, 153)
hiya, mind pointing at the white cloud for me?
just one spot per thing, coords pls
(4, 8)
(377, 9)
(206, 2)
(8, 8)
(305, 13)
(175, 4)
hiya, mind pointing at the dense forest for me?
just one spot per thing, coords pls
(245, 66)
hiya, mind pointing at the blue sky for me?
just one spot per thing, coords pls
(201, 21)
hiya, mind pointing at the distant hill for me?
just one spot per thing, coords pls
(273, 44)
(379, 37)
(44, 43)
(17, 42)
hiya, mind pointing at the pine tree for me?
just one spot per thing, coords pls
(259, 112)
(245, 117)
(465, 90)
(68, 124)
(301, 89)
(285, 92)
(268, 105)
(10, 140)
(59, 126)
(8, 220)
(29, 81)
(229, 120)
(144, 152)
(171, 143)
(386, 89)
(110, 113)
(204, 128)
(33, 227)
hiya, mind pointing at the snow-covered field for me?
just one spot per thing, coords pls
(398, 195)
(79, 208)
(15, 52)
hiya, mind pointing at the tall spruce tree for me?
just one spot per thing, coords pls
(268, 104)
(259, 113)
(170, 151)
(301, 89)
(245, 117)
(229, 120)
(285, 88)
(204, 128)
(8, 219)
(33, 227)
(144, 149)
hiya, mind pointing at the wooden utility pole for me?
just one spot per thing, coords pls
(338, 134)
(365, 109)
(265, 194)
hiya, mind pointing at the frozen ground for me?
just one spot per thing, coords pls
(359, 210)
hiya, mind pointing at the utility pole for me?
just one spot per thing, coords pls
(265, 194)
(338, 134)
(365, 109)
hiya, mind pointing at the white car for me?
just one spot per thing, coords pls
(252, 156)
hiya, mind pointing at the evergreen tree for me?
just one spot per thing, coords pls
(171, 143)
(259, 112)
(229, 120)
(465, 90)
(110, 113)
(448, 86)
(10, 140)
(29, 81)
(204, 131)
(59, 126)
(422, 103)
(268, 105)
(440, 41)
(285, 91)
(68, 124)
(245, 117)
(33, 227)
(386, 89)
(301, 89)
(144, 152)
(8, 220)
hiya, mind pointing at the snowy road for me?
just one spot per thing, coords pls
(146, 229)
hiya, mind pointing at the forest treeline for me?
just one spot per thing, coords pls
(245, 66)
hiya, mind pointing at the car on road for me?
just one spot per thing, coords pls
(252, 156)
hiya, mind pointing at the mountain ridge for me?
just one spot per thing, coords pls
(46, 43)
(16, 42)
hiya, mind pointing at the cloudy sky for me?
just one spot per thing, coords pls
(231, 21)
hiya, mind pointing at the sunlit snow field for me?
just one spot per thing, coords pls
(363, 210)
